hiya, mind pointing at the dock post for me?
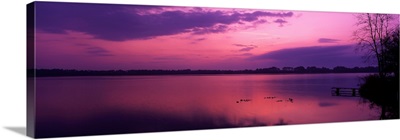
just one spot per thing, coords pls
(354, 92)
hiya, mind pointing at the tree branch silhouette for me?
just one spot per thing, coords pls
(378, 36)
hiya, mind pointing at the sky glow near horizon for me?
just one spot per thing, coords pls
(103, 37)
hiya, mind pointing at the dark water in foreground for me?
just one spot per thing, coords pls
(69, 106)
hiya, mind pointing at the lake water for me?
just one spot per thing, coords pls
(68, 106)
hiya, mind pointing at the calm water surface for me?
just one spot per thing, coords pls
(104, 105)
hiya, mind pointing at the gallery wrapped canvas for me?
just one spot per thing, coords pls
(96, 69)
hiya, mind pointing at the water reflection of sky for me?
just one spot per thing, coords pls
(105, 105)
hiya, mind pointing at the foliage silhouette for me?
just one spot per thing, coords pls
(382, 92)
(373, 37)
(271, 70)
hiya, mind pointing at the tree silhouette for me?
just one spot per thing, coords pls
(372, 36)
(378, 36)
(270, 70)
(392, 52)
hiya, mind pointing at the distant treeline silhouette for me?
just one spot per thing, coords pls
(270, 70)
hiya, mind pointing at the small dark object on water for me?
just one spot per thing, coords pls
(271, 97)
(245, 100)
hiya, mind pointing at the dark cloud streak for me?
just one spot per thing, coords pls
(326, 56)
(94, 50)
(98, 51)
(280, 22)
(245, 48)
(126, 22)
(327, 40)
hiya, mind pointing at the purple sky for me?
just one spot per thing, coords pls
(101, 36)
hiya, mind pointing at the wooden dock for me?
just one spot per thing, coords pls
(346, 92)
